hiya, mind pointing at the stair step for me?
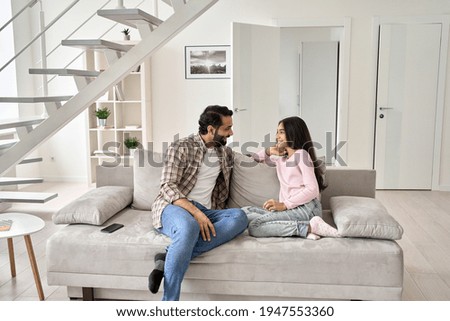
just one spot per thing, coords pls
(168, 2)
(129, 17)
(26, 197)
(64, 72)
(4, 181)
(20, 122)
(7, 143)
(96, 44)
(31, 100)
(31, 160)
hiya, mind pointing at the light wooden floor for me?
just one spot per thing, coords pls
(424, 215)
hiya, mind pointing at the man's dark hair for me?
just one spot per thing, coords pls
(212, 115)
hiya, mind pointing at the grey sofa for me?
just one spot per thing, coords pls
(367, 264)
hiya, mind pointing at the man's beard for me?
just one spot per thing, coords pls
(219, 140)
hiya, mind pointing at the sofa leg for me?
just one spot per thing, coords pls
(88, 294)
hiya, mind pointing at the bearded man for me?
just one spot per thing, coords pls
(190, 207)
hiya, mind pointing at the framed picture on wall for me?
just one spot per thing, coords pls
(207, 62)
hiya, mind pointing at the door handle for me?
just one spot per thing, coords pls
(238, 110)
(384, 108)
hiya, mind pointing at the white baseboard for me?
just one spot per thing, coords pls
(444, 188)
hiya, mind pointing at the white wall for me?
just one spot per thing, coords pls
(177, 102)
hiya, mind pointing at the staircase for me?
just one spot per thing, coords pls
(30, 132)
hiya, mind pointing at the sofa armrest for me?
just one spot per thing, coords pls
(348, 182)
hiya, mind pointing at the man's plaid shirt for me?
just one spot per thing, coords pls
(182, 162)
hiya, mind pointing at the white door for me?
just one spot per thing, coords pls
(319, 63)
(256, 55)
(406, 105)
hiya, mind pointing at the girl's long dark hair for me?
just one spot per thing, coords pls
(298, 137)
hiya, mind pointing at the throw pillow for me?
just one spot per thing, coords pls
(252, 183)
(96, 206)
(356, 216)
(147, 170)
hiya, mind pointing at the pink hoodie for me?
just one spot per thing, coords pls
(298, 183)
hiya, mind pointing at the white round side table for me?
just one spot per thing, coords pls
(23, 225)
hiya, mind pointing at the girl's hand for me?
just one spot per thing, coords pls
(278, 150)
(273, 205)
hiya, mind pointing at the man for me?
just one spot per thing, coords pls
(189, 208)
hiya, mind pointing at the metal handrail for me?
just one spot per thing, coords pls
(29, 4)
(41, 33)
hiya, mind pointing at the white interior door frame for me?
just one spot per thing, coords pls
(344, 70)
(444, 20)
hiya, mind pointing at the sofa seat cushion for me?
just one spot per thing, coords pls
(130, 251)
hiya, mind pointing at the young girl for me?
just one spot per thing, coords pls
(298, 211)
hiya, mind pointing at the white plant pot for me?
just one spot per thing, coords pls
(101, 122)
(131, 151)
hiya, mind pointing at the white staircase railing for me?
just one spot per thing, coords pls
(39, 35)
(59, 115)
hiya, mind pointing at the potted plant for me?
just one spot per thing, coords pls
(132, 143)
(126, 33)
(102, 114)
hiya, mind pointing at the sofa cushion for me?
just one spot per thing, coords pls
(96, 206)
(252, 183)
(364, 217)
(146, 176)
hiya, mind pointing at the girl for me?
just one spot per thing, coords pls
(298, 211)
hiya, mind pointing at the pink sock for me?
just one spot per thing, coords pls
(312, 236)
(320, 227)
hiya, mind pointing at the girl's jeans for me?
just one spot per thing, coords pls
(187, 242)
(292, 222)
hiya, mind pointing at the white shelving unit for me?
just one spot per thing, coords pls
(129, 103)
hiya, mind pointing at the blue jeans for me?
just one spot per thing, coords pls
(292, 222)
(187, 242)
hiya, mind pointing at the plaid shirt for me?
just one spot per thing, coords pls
(181, 165)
